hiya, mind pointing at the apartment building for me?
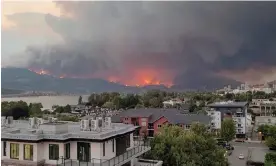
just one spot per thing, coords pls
(91, 142)
(264, 107)
(236, 110)
(152, 119)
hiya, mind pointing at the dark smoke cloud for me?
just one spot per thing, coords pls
(182, 37)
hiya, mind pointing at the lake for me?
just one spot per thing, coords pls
(49, 101)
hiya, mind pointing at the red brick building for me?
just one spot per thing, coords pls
(150, 120)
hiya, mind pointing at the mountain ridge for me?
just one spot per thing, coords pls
(26, 80)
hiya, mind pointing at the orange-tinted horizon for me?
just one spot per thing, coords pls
(137, 78)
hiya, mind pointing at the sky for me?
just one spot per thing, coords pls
(138, 43)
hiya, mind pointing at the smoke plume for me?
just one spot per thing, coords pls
(167, 42)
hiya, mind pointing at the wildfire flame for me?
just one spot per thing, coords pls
(137, 78)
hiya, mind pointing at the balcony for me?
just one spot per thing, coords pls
(139, 148)
(146, 162)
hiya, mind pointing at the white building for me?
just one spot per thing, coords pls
(172, 102)
(235, 110)
(94, 142)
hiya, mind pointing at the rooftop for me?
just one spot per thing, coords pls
(257, 154)
(19, 129)
(230, 104)
(174, 116)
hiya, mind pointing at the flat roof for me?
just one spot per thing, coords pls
(20, 130)
(257, 154)
(228, 104)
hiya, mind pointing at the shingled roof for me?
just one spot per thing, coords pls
(174, 116)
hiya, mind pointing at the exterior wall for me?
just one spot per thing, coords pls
(143, 123)
(21, 151)
(242, 122)
(239, 115)
(108, 149)
(160, 121)
(46, 151)
(216, 119)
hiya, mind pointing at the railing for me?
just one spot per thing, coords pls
(140, 147)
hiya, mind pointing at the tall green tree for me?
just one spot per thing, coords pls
(228, 129)
(178, 147)
(80, 100)
(67, 108)
(16, 109)
(270, 137)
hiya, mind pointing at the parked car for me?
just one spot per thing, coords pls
(241, 156)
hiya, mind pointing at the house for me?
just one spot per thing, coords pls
(95, 141)
(80, 108)
(172, 103)
(230, 109)
(151, 120)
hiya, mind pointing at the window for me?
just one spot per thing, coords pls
(67, 151)
(53, 151)
(159, 126)
(14, 150)
(144, 123)
(4, 148)
(113, 144)
(104, 149)
(127, 137)
(28, 152)
(188, 126)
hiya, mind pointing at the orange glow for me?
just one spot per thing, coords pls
(41, 72)
(138, 78)
(113, 79)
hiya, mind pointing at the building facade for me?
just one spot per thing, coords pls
(152, 119)
(94, 142)
(235, 110)
(264, 107)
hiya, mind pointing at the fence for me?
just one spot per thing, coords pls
(139, 148)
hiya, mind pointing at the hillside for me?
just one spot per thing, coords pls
(23, 79)
(18, 78)
(10, 91)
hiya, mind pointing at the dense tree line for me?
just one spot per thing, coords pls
(20, 109)
(269, 133)
(196, 147)
(155, 98)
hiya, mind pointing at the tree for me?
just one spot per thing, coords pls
(16, 109)
(35, 109)
(80, 100)
(155, 102)
(228, 129)
(270, 137)
(67, 108)
(178, 147)
(229, 96)
(270, 159)
(108, 105)
(59, 109)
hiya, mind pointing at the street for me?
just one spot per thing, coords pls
(242, 148)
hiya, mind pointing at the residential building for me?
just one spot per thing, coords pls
(265, 120)
(235, 110)
(91, 142)
(152, 119)
(264, 107)
(172, 103)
